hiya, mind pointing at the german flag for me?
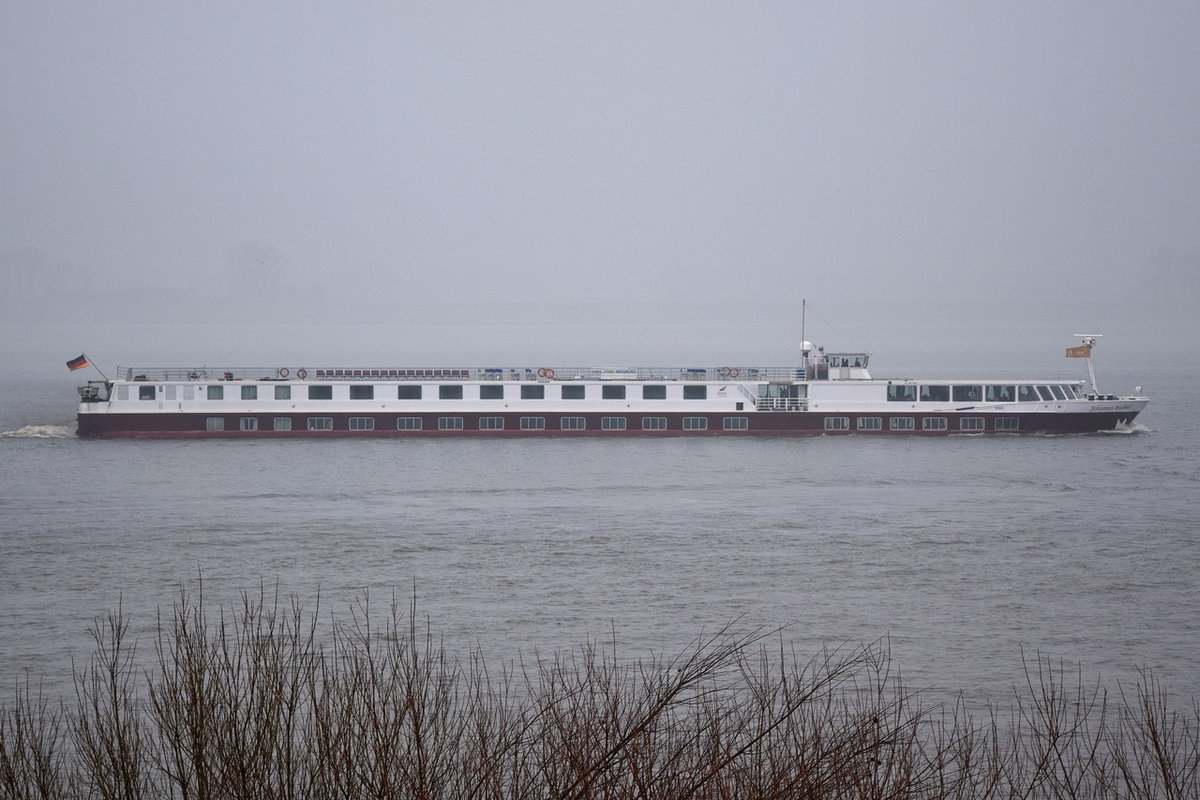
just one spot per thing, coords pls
(78, 363)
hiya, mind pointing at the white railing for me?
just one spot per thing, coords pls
(551, 373)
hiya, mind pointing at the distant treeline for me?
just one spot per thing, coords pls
(258, 700)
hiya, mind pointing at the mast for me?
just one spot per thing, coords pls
(1085, 351)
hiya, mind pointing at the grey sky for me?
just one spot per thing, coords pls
(576, 152)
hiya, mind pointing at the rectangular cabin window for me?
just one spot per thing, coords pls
(968, 394)
(450, 423)
(737, 423)
(933, 423)
(283, 393)
(249, 392)
(1059, 394)
(320, 392)
(612, 423)
(1008, 423)
(283, 423)
(837, 423)
(902, 393)
(214, 424)
(491, 392)
(408, 423)
(654, 392)
(611, 392)
(870, 423)
(695, 423)
(529, 392)
(146, 393)
(695, 393)
(935, 394)
(491, 423)
(320, 423)
(533, 423)
(362, 392)
(901, 423)
(1027, 394)
(999, 393)
(572, 423)
(248, 423)
(974, 424)
(573, 392)
(654, 423)
(362, 423)
(216, 393)
(450, 392)
(408, 392)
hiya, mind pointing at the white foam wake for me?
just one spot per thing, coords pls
(39, 432)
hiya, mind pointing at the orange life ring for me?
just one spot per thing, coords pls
(302, 373)
(546, 372)
(283, 372)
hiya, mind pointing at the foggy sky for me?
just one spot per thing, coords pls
(327, 159)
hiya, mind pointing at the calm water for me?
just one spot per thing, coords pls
(962, 550)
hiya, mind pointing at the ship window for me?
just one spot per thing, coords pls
(283, 393)
(1008, 423)
(695, 423)
(320, 423)
(171, 388)
(214, 424)
(320, 392)
(408, 392)
(572, 423)
(450, 423)
(1070, 389)
(491, 423)
(1027, 394)
(935, 394)
(695, 393)
(737, 424)
(248, 423)
(999, 394)
(283, 423)
(122, 392)
(870, 423)
(654, 423)
(971, 424)
(250, 392)
(529, 392)
(837, 423)
(362, 423)
(933, 423)
(902, 392)
(362, 392)
(450, 392)
(1044, 391)
(1059, 394)
(491, 392)
(408, 423)
(216, 393)
(968, 394)
(533, 423)
(654, 392)
(572, 392)
(901, 423)
(613, 392)
(612, 423)
(147, 392)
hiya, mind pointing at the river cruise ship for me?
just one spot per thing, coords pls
(827, 393)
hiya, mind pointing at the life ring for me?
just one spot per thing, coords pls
(546, 372)
(733, 372)
(302, 373)
(728, 372)
(283, 372)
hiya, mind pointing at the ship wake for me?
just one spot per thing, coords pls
(40, 432)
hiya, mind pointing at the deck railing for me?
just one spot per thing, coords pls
(311, 374)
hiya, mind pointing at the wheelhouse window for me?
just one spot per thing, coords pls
(974, 424)
(146, 393)
(282, 423)
(533, 423)
(216, 392)
(491, 423)
(408, 423)
(320, 392)
(450, 392)
(901, 423)
(573, 392)
(408, 392)
(1027, 394)
(1008, 423)
(999, 393)
(1059, 394)
(968, 394)
(362, 392)
(654, 392)
(572, 423)
(320, 423)
(362, 423)
(737, 423)
(533, 392)
(450, 423)
(695, 423)
(214, 424)
(837, 423)
(654, 423)
(902, 393)
(612, 423)
(695, 393)
(870, 423)
(283, 393)
(933, 423)
(935, 394)
(611, 392)
(248, 423)
(491, 392)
